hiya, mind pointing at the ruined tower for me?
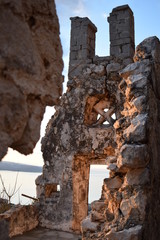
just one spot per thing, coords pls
(121, 27)
(82, 45)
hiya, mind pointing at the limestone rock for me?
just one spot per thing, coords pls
(136, 177)
(136, 81)
(30, 70)
(98, 205)
(139, 103)
(135, 68)
(87, 225)
(21, 219)
(149, 47)
(133, 233)
(113, 67)
(136, 132)
(132, 156)
(112, 183)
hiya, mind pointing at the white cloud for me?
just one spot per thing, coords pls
(105, 16)
(80, 9)
(73, 7)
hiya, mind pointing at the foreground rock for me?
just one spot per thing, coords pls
(20, 219)
(30, 70)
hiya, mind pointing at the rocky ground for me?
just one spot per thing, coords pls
(43, 233)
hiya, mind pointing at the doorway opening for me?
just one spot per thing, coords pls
(81, 175)
(97, 174)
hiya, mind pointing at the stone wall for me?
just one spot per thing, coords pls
(76, 138)
(80, 133)
(30, 70)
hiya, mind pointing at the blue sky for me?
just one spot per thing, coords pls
(147, 20)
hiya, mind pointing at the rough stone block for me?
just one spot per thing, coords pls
(113, 67)
(112, 183)
(136, 132)
(136, 177)
(137, 81)
(132, 156)
(98, 205)
(88, 225)
(127, 234)
(140, 103)
(21, 219)
(136, 68)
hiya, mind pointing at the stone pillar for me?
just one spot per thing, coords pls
(121, 24)
(82, 45)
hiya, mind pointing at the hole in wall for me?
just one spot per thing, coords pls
(31, 21)
(98, 116)
(106, 110)
(114, 116)
(105, 123)
(58, 188)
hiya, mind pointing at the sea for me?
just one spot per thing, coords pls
(26, 184)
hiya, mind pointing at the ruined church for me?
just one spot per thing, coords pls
(109, 115)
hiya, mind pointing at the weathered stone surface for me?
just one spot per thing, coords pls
(21, 219)
(98, 205)
(135, 68)
(113, 67)
(138, 202)
(112, 183)
(136, 81)
(4, 230)
(148, 48)
(140, 103)
(122, 32)
(132, 156)
(30, 70)
(127, 234)
(136, 132)
(136, 177)
(87, 225)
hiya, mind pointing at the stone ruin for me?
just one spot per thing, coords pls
(83, 132)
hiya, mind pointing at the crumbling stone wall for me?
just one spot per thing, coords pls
(71, 144)
(30, 70)
(83, 131)
(127, 209)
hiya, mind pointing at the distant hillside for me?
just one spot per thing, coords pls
(18, 167)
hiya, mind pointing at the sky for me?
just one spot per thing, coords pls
(147, 21)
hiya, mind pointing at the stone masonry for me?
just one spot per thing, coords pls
(121, 23)
(107, 116)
